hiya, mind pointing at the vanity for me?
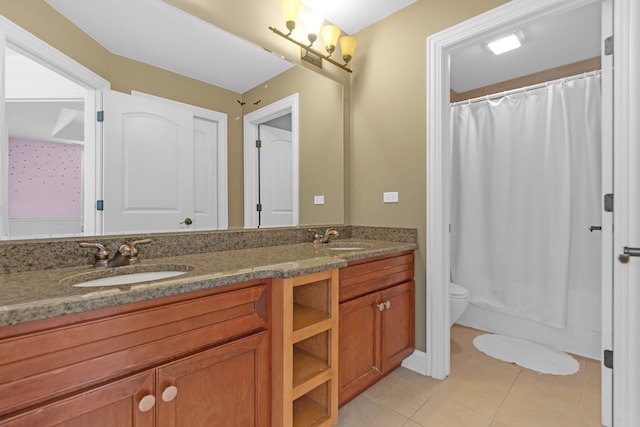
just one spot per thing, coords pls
(252, 334)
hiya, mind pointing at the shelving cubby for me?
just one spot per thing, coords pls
(305, 350)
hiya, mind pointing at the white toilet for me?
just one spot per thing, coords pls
(458, 302)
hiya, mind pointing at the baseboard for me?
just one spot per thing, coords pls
(416, 362)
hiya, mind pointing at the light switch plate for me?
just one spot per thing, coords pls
(390, 197)
(318, 200)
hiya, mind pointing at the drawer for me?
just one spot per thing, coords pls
(42, 365)
(364, 276)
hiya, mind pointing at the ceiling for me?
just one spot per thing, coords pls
(547, 43)
(162, 35)
(159, 34)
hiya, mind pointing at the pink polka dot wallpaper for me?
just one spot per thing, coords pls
(45, 178)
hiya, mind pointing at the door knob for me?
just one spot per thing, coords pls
(187, 221)
(627, 252)
(631, 251)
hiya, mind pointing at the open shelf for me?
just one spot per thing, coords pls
(306, 366)
(313, 409)
(305, 374)
(304, 316)
(306, 413)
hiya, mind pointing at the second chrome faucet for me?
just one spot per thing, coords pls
(328, 234)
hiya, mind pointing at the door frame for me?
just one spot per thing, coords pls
(626, 318)
(251, 122)
(439, 47)
(626, 276)
(45, 54)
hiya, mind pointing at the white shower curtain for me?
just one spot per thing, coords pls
(525, 189)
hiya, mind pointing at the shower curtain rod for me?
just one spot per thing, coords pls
(524, 89)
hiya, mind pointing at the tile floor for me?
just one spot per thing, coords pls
(480, 392)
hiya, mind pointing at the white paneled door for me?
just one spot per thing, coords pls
(149, 158)
(276, 177)
(205, 185)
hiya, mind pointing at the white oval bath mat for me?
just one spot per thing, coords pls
(526, 354)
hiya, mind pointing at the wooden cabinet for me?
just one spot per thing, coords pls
(226, 386)
(376, 321)
(197, 360)
(305, 350)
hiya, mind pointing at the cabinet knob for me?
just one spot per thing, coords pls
(380, 306)
(169, 393)
(387, 304)
(146, 403)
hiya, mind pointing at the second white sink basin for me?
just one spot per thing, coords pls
(127, 279)
(347, 246)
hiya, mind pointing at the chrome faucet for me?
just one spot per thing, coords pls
(126, 254)
(133, 257)
(325, 237)
(101, 254)
(328, 234)
(122, 257)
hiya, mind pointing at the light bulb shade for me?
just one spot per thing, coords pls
(348, 47)
(290, 10)
(312, 23)
(330, 34)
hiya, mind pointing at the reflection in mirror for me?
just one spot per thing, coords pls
(319, 132)
(321, 156)
(271, 166)
(45, 119)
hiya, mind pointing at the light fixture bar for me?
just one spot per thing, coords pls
(312, 51)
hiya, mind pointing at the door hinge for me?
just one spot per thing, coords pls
(100, 116)
(258, 143)
(100, 205)
(259, 207)
(608, 45)
(607, 360)
(608, 202)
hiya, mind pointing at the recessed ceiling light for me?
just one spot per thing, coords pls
(505, 44)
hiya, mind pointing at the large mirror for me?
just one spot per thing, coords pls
(320, 116)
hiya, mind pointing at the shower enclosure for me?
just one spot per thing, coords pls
(525, 212)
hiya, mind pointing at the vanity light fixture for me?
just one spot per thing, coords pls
(312, 23)
(506, 43)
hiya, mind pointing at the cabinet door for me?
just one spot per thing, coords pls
(397, 324)
(225, 386)
(117, 404)
(359, 349)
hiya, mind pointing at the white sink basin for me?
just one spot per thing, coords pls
(127, 279)
(126, 275)
(348, 246)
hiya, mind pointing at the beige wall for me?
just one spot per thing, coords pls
(388, 124)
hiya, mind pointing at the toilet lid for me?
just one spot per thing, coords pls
(457, 291)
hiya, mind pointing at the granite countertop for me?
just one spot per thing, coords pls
(34, 295)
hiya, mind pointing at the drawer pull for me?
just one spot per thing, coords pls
(146, 403)
(169, 393)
